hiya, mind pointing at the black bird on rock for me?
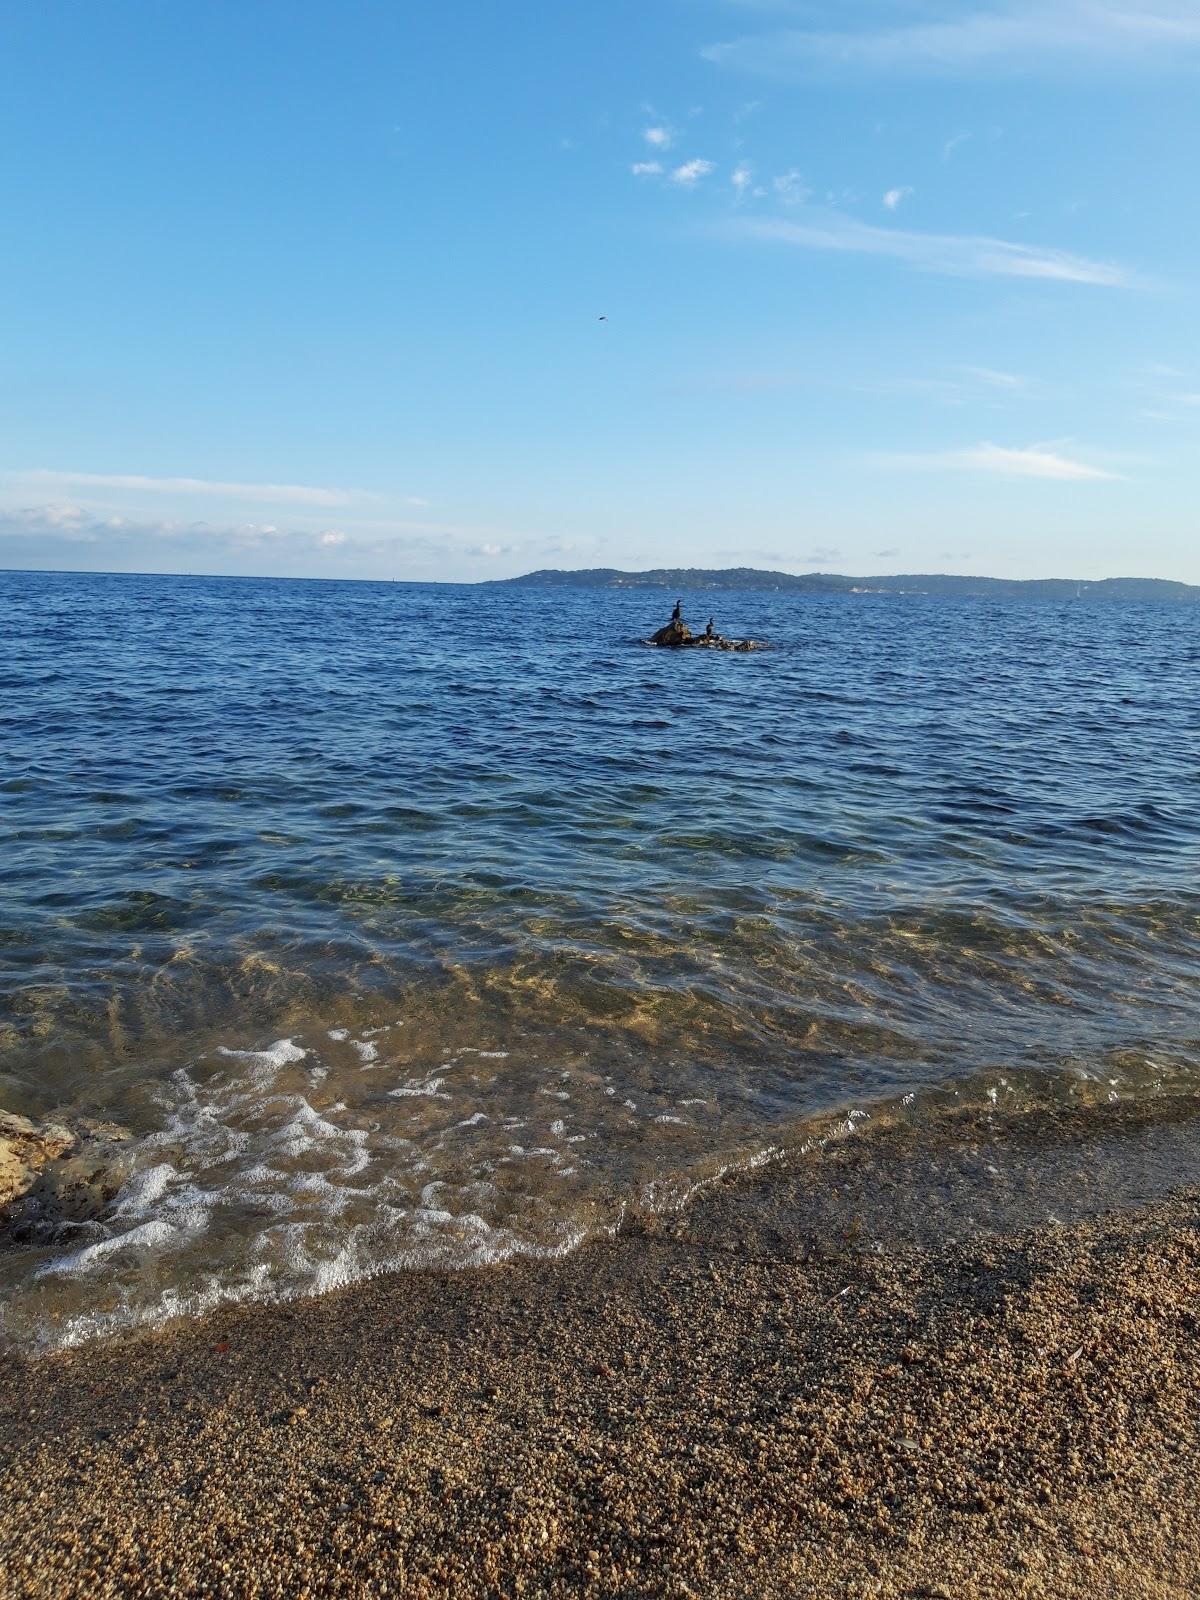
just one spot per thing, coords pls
(677, 614)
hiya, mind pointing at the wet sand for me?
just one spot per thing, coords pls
(810, 1384)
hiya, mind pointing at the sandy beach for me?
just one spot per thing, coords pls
(752, 1398)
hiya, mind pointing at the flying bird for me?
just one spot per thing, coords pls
(601, 319)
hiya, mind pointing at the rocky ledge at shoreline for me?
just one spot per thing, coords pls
(56, 1174)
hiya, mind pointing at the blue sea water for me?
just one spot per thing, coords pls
(397, 924)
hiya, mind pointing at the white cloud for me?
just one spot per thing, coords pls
(1035, 461)
(646, 169)
(952, 144)
(291, 493)
(66, 535)
(894, 198)
(791, 188)
(658, 138)
(1012, 36)
(955, 255)
(690, 173)
(491, 550)
(741, 179)
(74, 524)
(53, 516)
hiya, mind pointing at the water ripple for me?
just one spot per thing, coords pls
(915, 850)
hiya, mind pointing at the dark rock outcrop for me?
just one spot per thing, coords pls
(674, 635)
(678, 636)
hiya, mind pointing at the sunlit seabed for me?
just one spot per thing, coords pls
(406, 926)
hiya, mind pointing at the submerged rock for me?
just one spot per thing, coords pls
(54, 1174)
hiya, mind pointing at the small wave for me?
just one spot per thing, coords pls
(259, 1183)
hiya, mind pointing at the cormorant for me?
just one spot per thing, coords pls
(708, 629)
(677, 614)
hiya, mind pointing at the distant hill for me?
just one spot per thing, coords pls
(685, 579)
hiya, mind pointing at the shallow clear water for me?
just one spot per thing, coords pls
(403, 924)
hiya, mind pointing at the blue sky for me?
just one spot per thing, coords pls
(316, 289)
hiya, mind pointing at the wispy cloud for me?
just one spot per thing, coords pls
(1012, 36)
(658, 138)
(1165, 397)
(968, 385)
(744, 553)
(790, 188)
(1009, 382)
(62, 522)
(691, 172)
(955, 255)
(275, 493)
(77, 524)
(646, 169)
(65, 532)
(894, 198)
(1034, 461)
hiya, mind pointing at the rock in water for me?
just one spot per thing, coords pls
(52, 1173)
(673, 635)
(678, 636)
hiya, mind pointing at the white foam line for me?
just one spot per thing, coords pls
(276, 1055)
(429, 1089)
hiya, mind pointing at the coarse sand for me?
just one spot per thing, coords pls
(762, 1396)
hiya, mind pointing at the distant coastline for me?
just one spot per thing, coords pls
(942, 584)
(682, 579)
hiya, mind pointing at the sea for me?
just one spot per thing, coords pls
(399, 926)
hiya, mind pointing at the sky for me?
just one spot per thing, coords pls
(385, 290)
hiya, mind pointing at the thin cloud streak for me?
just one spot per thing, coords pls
(952, 255)
(276, 493)
(991, 378)
(1035, 461)
(1021, 36)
